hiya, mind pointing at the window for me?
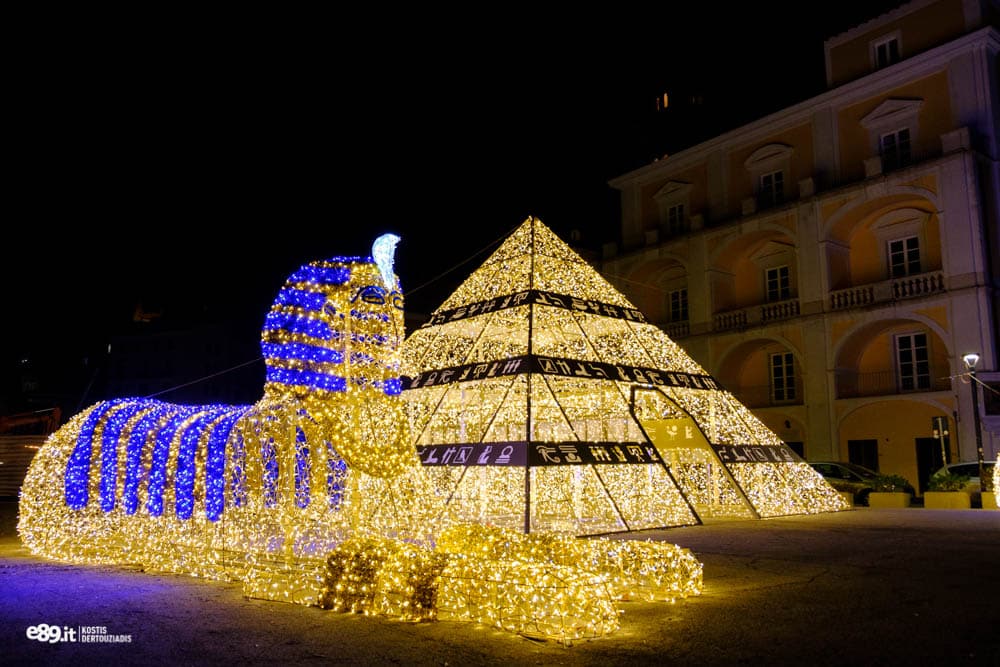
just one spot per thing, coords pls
(904, 257)
(772, 189)
(777, 284)
(912, 361)
(782, 377)
(767, 168)
(679, 305)
(894, 147)
(885, 52)
(675, 220)
(863, 453)
(673, 201)
(893, 133)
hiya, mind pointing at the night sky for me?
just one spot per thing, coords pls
(191, 169)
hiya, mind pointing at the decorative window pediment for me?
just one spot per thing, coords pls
(892, 112)
(769, 157)
(772, 254)
(673, 191)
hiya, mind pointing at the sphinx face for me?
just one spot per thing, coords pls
(332, 348)
(335, 327)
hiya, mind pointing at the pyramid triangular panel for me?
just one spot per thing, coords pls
(543, 399)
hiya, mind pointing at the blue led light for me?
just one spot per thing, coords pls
(140, 436)
(302, 352)
(215, 464)
(113, 428)
(186, 452)
(158, 465)
(289, 296)
(366, 315)
(276, 320)
(295, 377)
(334, 275)
(77, 479)
(393, 387)
(301, 469)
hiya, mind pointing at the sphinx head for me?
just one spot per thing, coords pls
(336, 326)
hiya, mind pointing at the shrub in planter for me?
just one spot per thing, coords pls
(890, 491)
(947, 492)
(947, 482)
(891, 484)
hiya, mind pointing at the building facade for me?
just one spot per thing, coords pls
(832, 263)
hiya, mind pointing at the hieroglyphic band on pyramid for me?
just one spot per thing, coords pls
(542, 399)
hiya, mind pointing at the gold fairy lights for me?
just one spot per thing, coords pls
(546, 585)
(324, 499)
(142, 481)
(321, 466)
(535, 297)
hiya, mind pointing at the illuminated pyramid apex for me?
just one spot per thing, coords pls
(534, 258)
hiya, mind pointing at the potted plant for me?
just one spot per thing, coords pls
(947, 491)
(890, 491)
(990, 495)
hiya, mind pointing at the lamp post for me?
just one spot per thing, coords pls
(970, 360)
(939, 428)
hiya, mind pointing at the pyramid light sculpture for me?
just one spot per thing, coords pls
(542, 399)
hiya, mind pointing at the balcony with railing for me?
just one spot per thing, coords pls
(678, 329)
(887, 291)
(762, 396)
(851, 384)
(756, 315)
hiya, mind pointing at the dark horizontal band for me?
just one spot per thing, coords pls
(535, 297)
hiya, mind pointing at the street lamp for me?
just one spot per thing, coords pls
(939, 428)
(970, 360)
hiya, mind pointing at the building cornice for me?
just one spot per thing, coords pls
(875, 23)
(871, 85)
(726, 226)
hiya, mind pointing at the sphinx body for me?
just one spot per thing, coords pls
(314, 494)
(229, 490)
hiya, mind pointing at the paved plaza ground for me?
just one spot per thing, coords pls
(863, 587)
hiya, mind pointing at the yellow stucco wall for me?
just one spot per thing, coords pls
(934, 119)
(877, 355)
(866, 258)
(919, 31)
(722, 292)
(747, 284)
(931, 252)
(839, 328)
(896, 424)
(939, 314)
